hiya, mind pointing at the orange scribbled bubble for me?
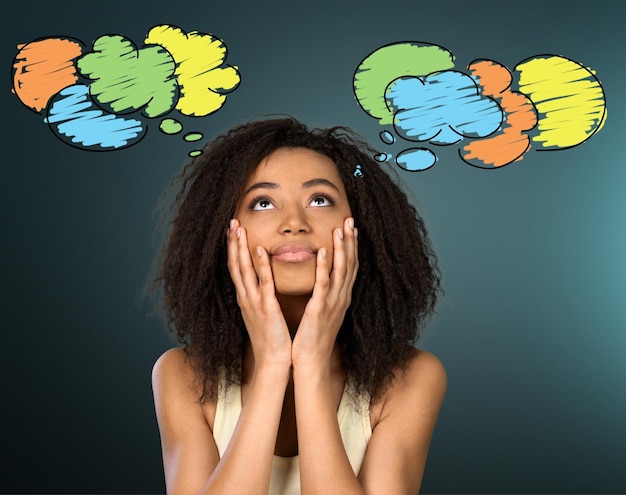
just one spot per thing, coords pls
(43, 68)
(520, 116)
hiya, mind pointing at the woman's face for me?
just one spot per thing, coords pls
(290, 206)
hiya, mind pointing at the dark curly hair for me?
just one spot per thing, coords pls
(398, 281)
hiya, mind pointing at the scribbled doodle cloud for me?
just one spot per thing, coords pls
(103, 98)
(75, 119)
(569, 100)
(202, 80)
(43, 68)
(494, 115)
(126, 79)
(442, 108)
(512, 141)
(390, 62)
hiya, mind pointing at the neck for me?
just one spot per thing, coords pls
(293, 309)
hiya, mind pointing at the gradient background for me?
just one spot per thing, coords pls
(532, 329)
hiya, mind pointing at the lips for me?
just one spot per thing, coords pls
(293, 252)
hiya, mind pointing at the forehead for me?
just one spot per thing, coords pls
(295, 165)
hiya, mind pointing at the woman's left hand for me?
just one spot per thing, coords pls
(315, 339)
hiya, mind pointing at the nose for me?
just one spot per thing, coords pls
(294, 220)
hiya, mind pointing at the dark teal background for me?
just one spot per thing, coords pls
(532, 329)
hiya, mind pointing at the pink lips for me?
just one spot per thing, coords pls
(293, 252)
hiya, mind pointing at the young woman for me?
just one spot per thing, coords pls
(297, 277)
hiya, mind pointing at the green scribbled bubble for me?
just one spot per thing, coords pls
(126, 79)
(170, 126)
(390, 62)
(193, 137)
(195, 153)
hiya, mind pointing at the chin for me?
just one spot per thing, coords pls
(294, 281)
(294, 292)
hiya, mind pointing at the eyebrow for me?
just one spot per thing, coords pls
(305, 185)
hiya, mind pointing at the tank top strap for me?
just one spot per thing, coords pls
(355, 428)
(227, 411)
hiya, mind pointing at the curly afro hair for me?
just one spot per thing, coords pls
(395, 292)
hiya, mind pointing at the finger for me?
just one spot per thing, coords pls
(233, 256)
(248, 274)
(338, 274)
(351, 249)
(356, 256)
(322, 276)
(266, 277)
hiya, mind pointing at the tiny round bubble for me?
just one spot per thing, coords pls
(170, 126)
(387, 138)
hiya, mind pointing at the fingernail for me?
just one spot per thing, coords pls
(323, 252)
(340, 232)
(238, 233)
(232, 223)
(259, 251)
(351, 222)
(356, 232)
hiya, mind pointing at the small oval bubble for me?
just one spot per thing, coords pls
(170, 126)
(195, 153)
(387, 138)
(193, 137)
(416, 159)
(382, 157)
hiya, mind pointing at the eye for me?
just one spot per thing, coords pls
(322, 200)
(261, 204)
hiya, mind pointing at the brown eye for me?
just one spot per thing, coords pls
(322, 200)
(261, 204)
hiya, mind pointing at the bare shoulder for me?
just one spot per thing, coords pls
(173, 380)
(175, 386)
(173, 364)
(425, 368)
(424, 381)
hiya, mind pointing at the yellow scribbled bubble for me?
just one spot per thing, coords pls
(568, 97)
(202, 79)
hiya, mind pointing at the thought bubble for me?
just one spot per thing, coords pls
(170, 126)
(203, 83)
(411, 58)
(43, 68)
(512, 141)
(413, 86)
(442, 108)
(192, 137)
(416, 159)
(126, 79)
(76, 120)
(568, 96)
(387, 138)
(99, 99)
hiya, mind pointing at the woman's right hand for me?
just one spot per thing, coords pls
(256, 297)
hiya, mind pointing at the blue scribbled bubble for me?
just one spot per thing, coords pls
(442, 108)
(76, 120)
(416, 159)
(382, 157)
(387, 138)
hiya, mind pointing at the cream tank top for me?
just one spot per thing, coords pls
(355, 428)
